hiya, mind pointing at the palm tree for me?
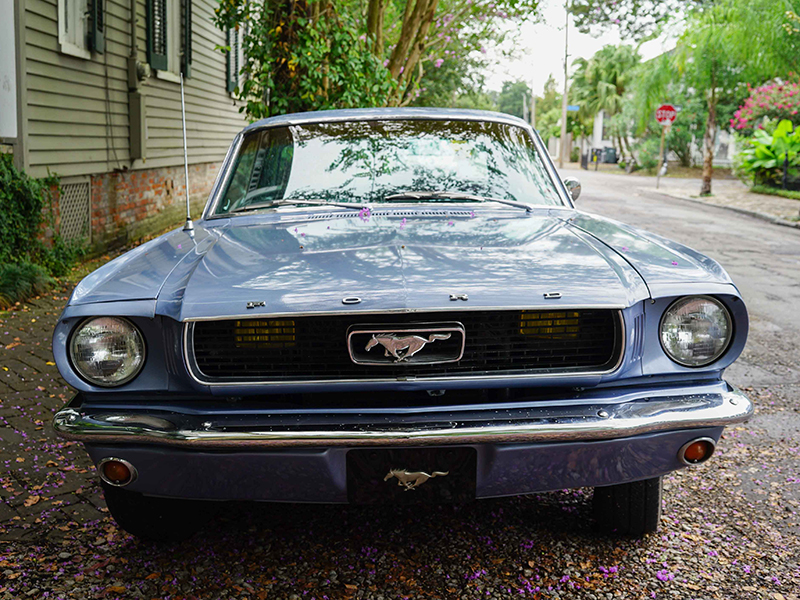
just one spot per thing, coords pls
(600, 83)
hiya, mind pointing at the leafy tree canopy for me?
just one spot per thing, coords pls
(726, 46)
(511, 97)
(313, 54)
(634, 19)
(548, 110)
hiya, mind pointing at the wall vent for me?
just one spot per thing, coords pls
(75, 208)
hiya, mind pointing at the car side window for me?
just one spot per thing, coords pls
(264, 164)
(239, 184)
(273, 163)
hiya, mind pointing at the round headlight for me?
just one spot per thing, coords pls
(107, 351)
(696, 330)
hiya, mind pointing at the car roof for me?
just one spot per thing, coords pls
(374, 114)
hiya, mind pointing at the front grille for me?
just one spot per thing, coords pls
(315, 348)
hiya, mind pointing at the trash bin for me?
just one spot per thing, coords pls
(610, 155)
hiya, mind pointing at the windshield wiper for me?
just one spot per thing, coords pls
(421, 195)
(296, 202)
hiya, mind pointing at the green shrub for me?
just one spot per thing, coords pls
(20, 280)
(60, 256)
(765, 154)
(574, 155)
(26, 210)
(763, 189)
(23, 201)
(647, 153)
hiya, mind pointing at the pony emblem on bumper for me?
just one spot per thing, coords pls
(412, 479)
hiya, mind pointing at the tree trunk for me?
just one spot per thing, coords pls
(379, 33)
(313, 12)
(417, 48)
(413, 19)
(619, 147)
(375, 12)
(709, 139)
(629, 152)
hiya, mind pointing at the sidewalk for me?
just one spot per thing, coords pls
(727, 193)
(733, 195)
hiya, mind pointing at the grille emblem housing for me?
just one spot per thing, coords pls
(408, 344)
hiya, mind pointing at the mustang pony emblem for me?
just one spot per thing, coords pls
(412, 480)
(394, 344)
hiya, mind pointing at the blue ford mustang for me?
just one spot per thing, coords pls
(392, 306)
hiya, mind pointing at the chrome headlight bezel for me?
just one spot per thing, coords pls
(74, 363)
(723, 348)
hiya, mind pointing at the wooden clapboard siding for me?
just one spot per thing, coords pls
(77, 110)
(212, 119)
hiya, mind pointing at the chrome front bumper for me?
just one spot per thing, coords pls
(638, 414)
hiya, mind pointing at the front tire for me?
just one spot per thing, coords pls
(629, 508)
(156, 519)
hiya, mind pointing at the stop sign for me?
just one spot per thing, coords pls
(666, 114)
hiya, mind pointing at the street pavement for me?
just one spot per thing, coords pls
(730, 527)
(762, 259)
(727, 191)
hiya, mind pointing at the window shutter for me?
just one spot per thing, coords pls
(186, 50)
(232, 60)
(236, 56)
(97, 17)
(157, 34)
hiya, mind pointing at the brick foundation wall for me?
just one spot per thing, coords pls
(130, 205)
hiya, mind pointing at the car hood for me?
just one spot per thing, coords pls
(399, 261)
(411, 259)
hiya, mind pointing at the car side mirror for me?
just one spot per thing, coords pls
(573, 187)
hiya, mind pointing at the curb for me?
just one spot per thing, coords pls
(743, 211)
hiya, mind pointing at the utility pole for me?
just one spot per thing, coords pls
(563, 148)
(524, 108)
(533, 110)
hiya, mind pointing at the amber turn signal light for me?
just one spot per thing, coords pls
(117, 472)
(696, 451)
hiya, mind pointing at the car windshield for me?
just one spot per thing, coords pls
(363, 162)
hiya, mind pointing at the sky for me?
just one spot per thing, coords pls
(540, 50)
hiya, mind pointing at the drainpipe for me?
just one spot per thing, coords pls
(137, 73)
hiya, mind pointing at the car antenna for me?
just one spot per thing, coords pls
(188, 226)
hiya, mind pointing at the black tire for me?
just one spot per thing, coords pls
(156, 519)
(632, 509)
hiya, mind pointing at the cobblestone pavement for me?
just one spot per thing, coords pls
(44, 479)
(729, 531)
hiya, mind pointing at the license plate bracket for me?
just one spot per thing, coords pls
(411, 475)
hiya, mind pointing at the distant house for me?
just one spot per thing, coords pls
(82, 97)
(601, 137)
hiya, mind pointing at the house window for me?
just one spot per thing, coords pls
(169, 39)
(73, 24)
(81, 27)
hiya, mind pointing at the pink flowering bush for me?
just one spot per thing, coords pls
(779, 101)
